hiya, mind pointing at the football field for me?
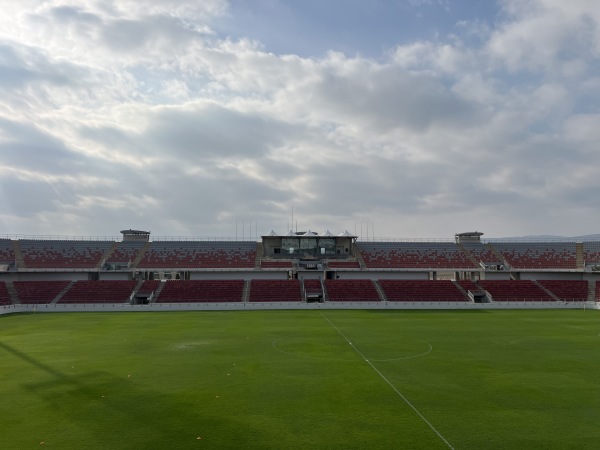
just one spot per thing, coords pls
(329, 379)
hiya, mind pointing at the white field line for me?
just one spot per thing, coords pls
(388, 382)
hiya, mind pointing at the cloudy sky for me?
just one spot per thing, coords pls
(420, 118)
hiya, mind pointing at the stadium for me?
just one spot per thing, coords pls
(298, 340)
(465, 132)
(295, 270)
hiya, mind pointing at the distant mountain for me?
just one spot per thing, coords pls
(546, 238)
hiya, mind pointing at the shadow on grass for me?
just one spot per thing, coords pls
(100, 410)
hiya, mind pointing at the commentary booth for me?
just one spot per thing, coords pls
(308, 244)
(309, 250)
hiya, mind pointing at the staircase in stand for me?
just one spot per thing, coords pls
(580, 260)
(462, 289)
(62, 293)
(468, 254)
(136, 290)
(140, 255)
(12, 293)
(246, 291)
(259, 253)
(324, 290)
(499, 256)
(592, 291)
(158, 291)
(302, 292)
(107, 254)
(380, 291)
(19, 261)
(359, 257)
(550, 293)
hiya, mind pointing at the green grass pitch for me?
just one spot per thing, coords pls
(301, 379)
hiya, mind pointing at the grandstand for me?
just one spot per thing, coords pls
(199, 255)
(45, 254)
(7, 255)
(39, 292)
(416, 255)
(591, 254)
(123, 254)
(275, 291)
(4, 295)
(422, 291)
(99, 291)
(534, 255)
(351, 291)
(296, 268)
(207, 291)
(515, 290)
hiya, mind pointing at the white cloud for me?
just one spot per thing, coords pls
(544, 35)
(115, 114)
(583, 131)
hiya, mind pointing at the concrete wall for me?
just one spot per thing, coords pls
(262, 275)
(115, 276)
(311, 275)
(500, 275)
(591, 276)
(8, 277)
(240, 275)
(121, 307)
(48, 276)
(386, 275)
(278, 274)
(551, 276)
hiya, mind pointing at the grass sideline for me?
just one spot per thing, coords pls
(298, 379)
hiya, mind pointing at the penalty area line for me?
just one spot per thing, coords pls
(429, 424)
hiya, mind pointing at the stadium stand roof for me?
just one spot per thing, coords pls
(469, 234)
(130, 231)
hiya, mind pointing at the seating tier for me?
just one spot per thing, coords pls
(39, 292)
(204, 291)
(421, 291)
(4, 296)
(567, 290)
(343, 265)
(103, 291)
(7, 254)
(591, 253)
(417, 255)
(481, 252)
(149, 286)
(195, 254)
(125, 252)
(468, 285)
(276, 264)
(116, 291)
(515, 290)
(312, 286)
(351, 291)
(539, 255)
(275, 291)
(63, 254)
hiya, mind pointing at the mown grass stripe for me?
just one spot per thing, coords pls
(429, 424)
